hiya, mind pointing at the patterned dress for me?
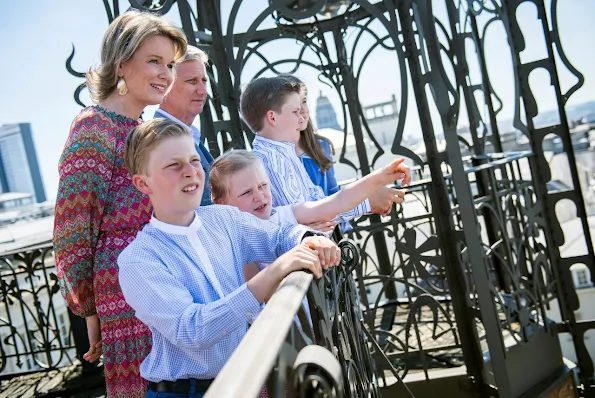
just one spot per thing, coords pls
(98, 213)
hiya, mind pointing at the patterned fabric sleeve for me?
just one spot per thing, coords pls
(85, 170)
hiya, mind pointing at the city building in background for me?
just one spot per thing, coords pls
(325, 114)
(382, 120)
(19, 167)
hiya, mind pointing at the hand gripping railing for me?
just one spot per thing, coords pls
(338, 365)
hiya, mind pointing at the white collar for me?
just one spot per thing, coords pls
(283, 144)
(193, 129)
(194, 226)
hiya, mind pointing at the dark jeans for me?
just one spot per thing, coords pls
(153, 394)
(191, 394)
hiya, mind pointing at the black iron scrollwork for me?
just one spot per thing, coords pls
(34, 321)
(472, 258)
(317, 373)
(154, 6)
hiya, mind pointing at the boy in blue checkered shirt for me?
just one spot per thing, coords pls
(183, 274)
(272, 107)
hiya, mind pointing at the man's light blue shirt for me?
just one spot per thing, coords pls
(290, 183)
(187, 285)
(206, 160)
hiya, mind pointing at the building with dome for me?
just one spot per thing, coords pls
(325, 114)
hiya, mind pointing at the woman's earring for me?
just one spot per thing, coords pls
(122, 87)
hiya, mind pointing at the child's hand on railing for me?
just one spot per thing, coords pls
(299, 258)
(327, 250)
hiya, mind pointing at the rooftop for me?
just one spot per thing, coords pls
(13, 196)
(26, 233)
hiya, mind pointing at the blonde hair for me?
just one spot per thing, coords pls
(121, 40)
(145, 137)
(224, 167)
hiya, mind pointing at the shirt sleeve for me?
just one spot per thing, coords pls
(85, 171)
(165, 304)
(316, 193)
(261, 240)
(360, 210)
(333, 187)
(284, 184)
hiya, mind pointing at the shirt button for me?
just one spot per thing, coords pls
(249, 315)
(224, 333)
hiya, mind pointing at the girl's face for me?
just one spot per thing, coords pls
(249, 190)
(304, 110)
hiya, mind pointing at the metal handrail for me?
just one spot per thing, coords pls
(242, 377)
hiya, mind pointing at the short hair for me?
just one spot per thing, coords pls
(193, 54)
(294, 79)
(121, 40)
(262, 95)
(224, 167)
(145, 137)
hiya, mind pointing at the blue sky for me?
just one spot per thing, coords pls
(37, 37)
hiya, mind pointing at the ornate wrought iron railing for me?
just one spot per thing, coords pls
(417, 325)
(339, 364)
(469, 263)
(35, 327)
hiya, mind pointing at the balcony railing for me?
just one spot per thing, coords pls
(405, 324)
(337, 359)
(41, 342)
(439, 306)
(34, 323)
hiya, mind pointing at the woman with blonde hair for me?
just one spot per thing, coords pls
(98, 210)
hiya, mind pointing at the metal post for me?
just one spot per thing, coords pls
(465, 315)
(541, 173)
(384, 263)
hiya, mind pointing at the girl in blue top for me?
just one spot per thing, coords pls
(316, 152)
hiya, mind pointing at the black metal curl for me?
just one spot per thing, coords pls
(111, 15)
(349, 255)
(77, 94)
(69, 65)
(155, 6)
(82, 86)
(294, 10)
(317, 373)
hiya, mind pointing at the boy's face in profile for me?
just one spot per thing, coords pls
(289, 122)
(249, 190)
(174, 179)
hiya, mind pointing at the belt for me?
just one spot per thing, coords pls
(180, 386)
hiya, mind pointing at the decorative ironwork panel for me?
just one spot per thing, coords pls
(470, 263)
(34, 324)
